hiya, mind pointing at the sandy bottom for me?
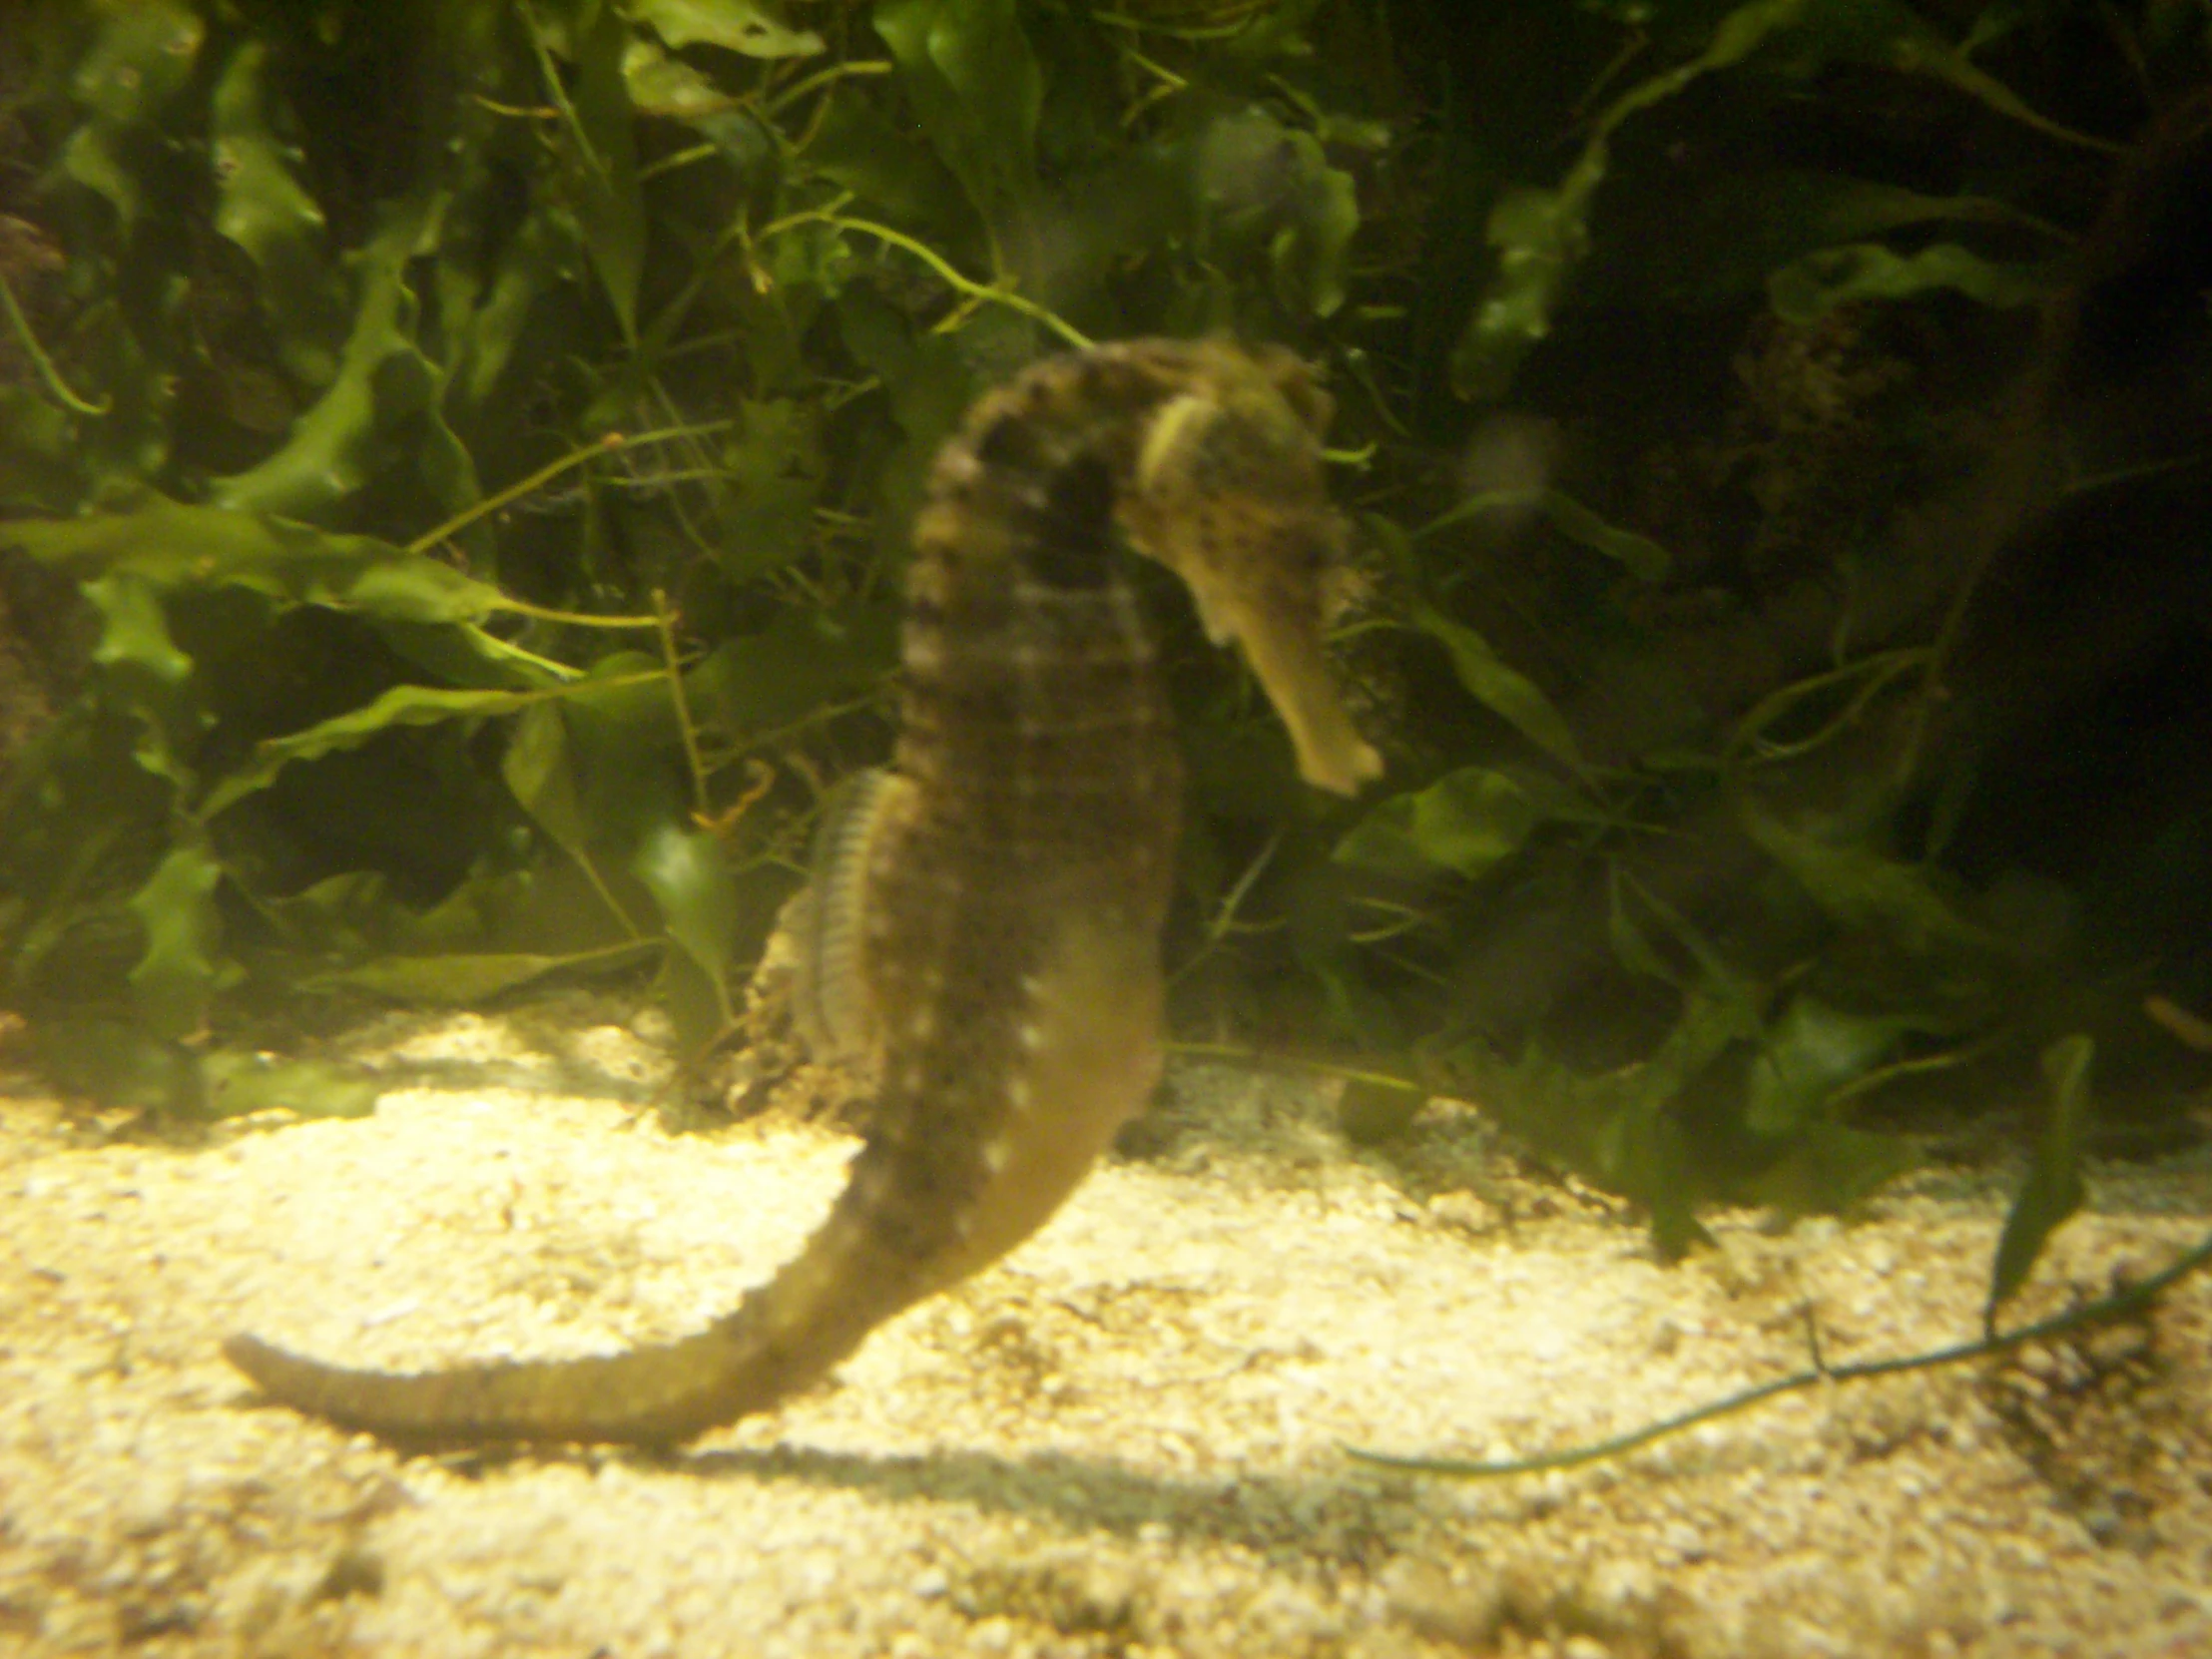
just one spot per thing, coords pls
(1124, 1440)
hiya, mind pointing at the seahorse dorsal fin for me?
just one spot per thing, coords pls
(834, 1012)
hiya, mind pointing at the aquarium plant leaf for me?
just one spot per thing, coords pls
(976, 87)
(1265, 187)
(118, 1062)
(381, 379)
(261, 206)
(663, 85)
(2052, 1189)
(1826, 1167)
(179, 972)
(627, 751)
(1630, 945)
(1725, 244)
(859, 148)
(803, 661)
(1639, 555)
(1915, 47)
(1808, 1053)
(752, 26)
(1372, 1110)
(170, 545)
(536, 767)
(142, 57)
(1642, 557)
(540, 769)
(1808, 289)
(1467, 821)
(235, 1082)
(463, 978)
(1541, 235)
(400, 706)
(542, 256)
(1310, 252)
(1643, 1156)
(1729, 1004)
(1504, 691)
(775, 473)
(1858, 886)
(600, 159)
(688, 876)
(144, 667)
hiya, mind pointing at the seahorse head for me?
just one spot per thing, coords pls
(1230, 493)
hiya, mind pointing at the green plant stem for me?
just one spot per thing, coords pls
(679, 157)
(1224, 921)
(1326, 1068)
(1877, 674)
(1149, 25)
(836, 72)
(609, 443)
(2133, 1299)
(49, 375)
(792, 729)
(1927, 1065)
(574, 618)
(598, 884)
(665, 620)
(558, 93)
(967, 286)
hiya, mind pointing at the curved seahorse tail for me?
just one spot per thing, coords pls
(648, 1395)
(783, 1336)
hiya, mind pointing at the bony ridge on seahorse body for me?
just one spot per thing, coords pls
(996, 942)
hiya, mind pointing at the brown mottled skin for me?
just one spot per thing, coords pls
(1016, 868)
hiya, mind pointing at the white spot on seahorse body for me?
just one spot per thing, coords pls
(924, 1023)
(1017, 1094)
(995, 1154)
(1032, 1035)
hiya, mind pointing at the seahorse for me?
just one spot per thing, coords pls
(994, 936)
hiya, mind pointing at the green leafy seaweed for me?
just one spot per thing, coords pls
(2052, 1189)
